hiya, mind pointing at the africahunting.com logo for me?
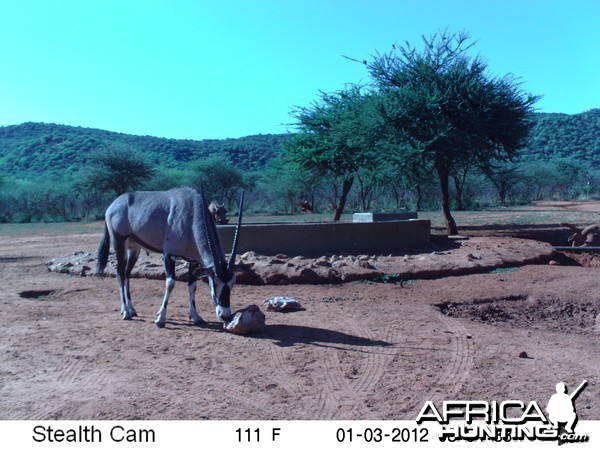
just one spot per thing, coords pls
(510, 420)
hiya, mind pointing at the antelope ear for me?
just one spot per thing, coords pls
(202, 272)
(239, 268)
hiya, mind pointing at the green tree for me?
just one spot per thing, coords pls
(505, 177)
(337, 137)
(118, 169)
(404, 169)
(218, 177)
(169, 178)
(280, 186)
(443, 104)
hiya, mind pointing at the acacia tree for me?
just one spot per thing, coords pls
(218, 177)
(280, 184)
(505, 177)
(443, 105)
(337, 137)
(118, 169)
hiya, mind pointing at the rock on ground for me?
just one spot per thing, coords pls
(247, 320)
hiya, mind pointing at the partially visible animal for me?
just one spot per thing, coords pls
(305, 206)
(588, 236)
(218, 213)
(177, 224)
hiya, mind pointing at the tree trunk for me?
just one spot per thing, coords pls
(365, 192)
(445, 191)
(459, 184)
(396, 197)
(502, 191)
(346, 186)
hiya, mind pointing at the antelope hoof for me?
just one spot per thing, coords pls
(160, 324)
(199, 322)
(127, 316)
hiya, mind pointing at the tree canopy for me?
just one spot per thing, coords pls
(441, 103)
(337, 137)
(218, 177)
(434, 109)
(118, 170)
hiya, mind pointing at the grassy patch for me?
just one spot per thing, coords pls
(50, 229)
(387, 278)
(505, 270)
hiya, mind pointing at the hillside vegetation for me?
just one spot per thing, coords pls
(39, 149)
(574, 136)
(47, 172)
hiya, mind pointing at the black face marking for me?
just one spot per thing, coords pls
(224, 298)
(221, 285)
(226, 277)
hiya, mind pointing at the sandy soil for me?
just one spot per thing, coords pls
(366, 349)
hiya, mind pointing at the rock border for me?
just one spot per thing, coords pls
(446, 257)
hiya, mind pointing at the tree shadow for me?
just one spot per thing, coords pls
(551, 233)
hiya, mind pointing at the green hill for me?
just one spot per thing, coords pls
(566, 136)
(45, 149)
(39, 148)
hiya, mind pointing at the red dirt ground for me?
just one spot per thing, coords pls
(358, 350)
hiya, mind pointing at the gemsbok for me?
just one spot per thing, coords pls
(177, 224)
(218, 212)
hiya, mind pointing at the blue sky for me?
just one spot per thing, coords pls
(195, 69)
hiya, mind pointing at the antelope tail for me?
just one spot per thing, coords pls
(103, 251)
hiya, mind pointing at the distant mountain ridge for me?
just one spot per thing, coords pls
(39, 148)
(34, 148)
(557, 135)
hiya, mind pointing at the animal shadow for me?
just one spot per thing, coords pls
(290, 335)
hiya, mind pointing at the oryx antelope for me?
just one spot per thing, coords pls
(218, 212)
(584, 237)
(175, 223)
(305, 206)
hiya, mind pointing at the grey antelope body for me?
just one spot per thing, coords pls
(175, 223)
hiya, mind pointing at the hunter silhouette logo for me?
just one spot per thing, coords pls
(561, 410)
(508, 420)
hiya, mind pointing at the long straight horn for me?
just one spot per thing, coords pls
(205, 218)
(236, 236)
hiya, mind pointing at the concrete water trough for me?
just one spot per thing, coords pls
(320, 238)
(383, 217)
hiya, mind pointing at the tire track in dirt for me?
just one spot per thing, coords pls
(451, 379)
(287, 377)
(42, 411)
(70, 374)
(377, 360)
(232, 406)
(77, 372)
(283, 373)
(462, 347)
(346, 396)
(71, 378)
